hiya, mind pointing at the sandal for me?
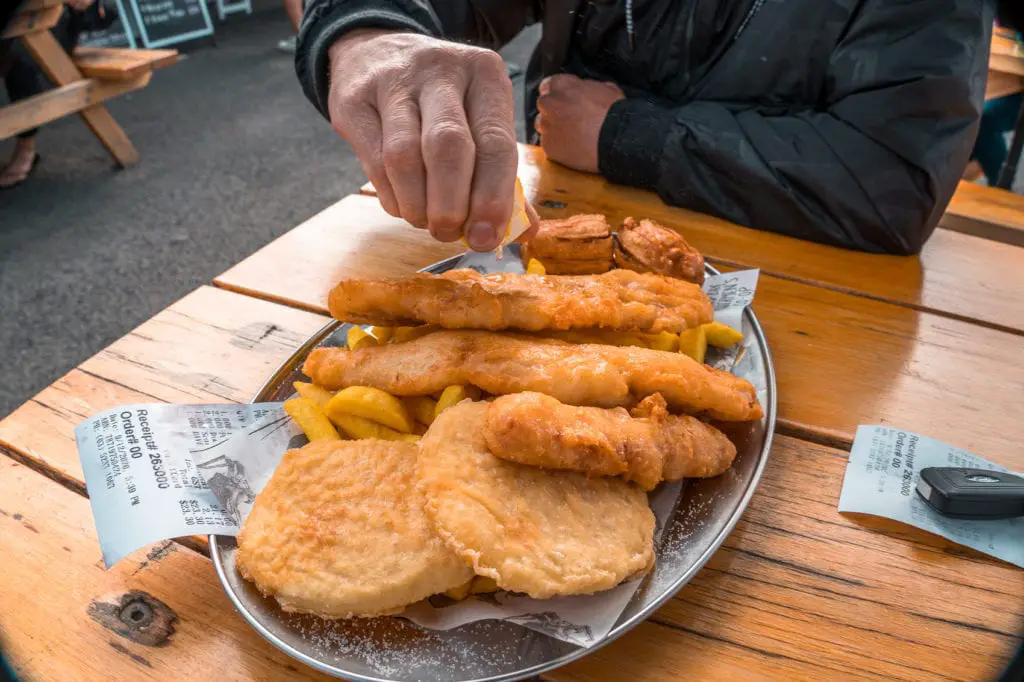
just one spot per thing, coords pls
(31, 169)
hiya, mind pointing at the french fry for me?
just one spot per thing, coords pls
(454, 395)
(370, 403)
(383, 334)
(666, 341)
(481, 584)
(535, 267)
(358, 338)
(311, 419)
(721, 336)
(403, 334)
(421, 407)
(694, 342)
(320, 396)
(461, 592)
(359, 428)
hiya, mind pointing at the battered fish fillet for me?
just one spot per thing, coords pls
(340, 531)
(647, 246)
(544, 533)
(575, 374)
(648, 447)
(465, 299)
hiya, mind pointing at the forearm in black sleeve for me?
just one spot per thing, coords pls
(872, 171)
(489, 23)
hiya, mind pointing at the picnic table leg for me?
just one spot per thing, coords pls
(1008, 172)
(56, 63)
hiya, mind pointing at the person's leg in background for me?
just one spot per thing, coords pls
(23, 79)
(294, 10)
(990, 149)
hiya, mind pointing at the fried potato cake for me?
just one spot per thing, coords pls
(464, 299)
(340, 531)
(576, 374)
(647, 246)
(647, 445)
(577, 245)
(544, 533)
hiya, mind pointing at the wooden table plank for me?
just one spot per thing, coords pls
(33, 21)
(988, 212)
(210, 347)
(1006, 56)
(118, 64)
(53, 590)
(354, 237)
(56, 103)
(1001, 84)
(798, 589)
(895, 365)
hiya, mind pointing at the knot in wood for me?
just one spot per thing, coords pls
(136, 615)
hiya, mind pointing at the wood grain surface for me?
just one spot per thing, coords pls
(988, 212)
(119, 64)
(797, 591)
(63, 617)
(62, 101)
(894, 365)
(1001, 84)
(210, 347)
(353, 238)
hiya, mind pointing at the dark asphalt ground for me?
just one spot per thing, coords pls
(232, 156)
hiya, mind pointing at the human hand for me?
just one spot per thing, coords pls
(81, 5)
(572, 111)
(432, 124)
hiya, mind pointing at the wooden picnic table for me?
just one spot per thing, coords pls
(83, 80)
(1006, 77)
(798, 591)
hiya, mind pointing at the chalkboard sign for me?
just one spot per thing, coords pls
(121, 33)
(166, 22)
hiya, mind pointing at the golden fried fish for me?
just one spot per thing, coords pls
(576, 374)
(647, 246)
(340, 531)
(465, 299)
(647, 445)
(536, 531)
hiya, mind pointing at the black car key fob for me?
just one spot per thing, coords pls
(972, 493)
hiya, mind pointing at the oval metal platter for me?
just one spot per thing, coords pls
(395, 650)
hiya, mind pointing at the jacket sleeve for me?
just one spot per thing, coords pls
(489, 23)
(872, 168)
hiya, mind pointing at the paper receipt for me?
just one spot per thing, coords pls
(881, 480)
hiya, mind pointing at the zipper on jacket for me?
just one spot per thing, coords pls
(746, 20)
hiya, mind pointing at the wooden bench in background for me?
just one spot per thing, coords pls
(82, 83)
(987, 212)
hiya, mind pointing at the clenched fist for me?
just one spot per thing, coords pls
(572, 111)
(432, 124)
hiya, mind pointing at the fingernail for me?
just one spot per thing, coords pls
(481, 236)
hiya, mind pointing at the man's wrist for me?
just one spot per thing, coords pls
(354, 39)
(632, 138)
(327, 22)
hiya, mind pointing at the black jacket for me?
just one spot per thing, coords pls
(846, 122)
